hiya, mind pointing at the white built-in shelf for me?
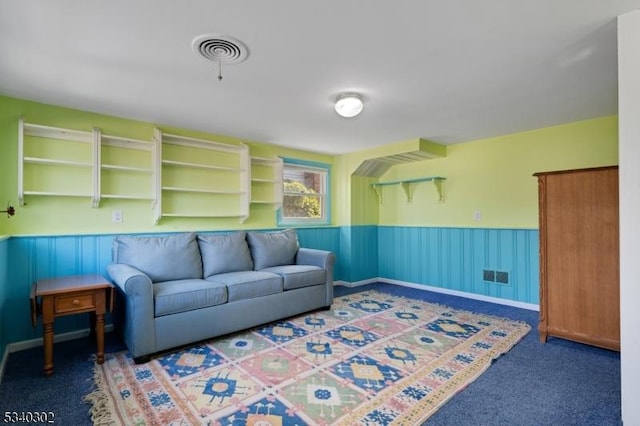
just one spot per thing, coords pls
(50, 132)
(117, 179)
(200, 215)
(123, 168)
(126, 168)
(36, 178)
(266, 181)
(54, 162)
(193, 166)
(58, 142)
(127, 143)
(408, 186)
(202, 190)
(127, 197)
(200, 166)
(58, 194)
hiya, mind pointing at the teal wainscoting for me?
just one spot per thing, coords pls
(449, 258)
(324, 238)
(4, 244)
(28, 259)
(364, 257)
(34, 258)
(358, 253)
(454, 259)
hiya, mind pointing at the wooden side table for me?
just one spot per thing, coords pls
(67, 296)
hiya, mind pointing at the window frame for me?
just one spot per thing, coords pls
(314, 167)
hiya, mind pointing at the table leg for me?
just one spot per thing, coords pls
(100, 337)
(47, 327)
(48, 348)
(92, 324)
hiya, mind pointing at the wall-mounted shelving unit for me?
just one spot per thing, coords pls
(266, 181)
(56, 162)
(72, 163)
(130, 176)
(181, 176)
(408, 185)
(211, 178)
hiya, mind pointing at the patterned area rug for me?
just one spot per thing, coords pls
(374, 359)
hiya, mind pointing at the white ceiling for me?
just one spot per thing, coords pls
(448, 71)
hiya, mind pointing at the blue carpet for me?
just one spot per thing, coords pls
(557, 383)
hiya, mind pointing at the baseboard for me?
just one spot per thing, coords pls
(3, 362)
(356, 283)
(474, 296)
(63, 337)
(33, 343)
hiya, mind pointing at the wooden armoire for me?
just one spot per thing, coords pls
(579, 256)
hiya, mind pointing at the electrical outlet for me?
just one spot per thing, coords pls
(117, 216)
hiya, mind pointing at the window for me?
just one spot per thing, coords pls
(305, 193)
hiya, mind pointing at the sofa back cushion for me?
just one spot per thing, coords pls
(172, 257)
(273, 248)
(222, 253)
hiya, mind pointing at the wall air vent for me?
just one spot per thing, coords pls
(488, 275)
(502, 277)
(495, 276)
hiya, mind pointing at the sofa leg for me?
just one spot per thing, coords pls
(142, 359)
(326, 308)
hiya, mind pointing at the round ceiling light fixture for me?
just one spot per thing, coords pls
(349, 105)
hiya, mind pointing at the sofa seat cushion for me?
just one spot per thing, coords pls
(171, 297)
(248, 284)
(298, 276)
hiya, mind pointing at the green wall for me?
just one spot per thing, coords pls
(494, 176)
(45, 215)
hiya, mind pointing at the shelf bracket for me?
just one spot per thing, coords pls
(378, 190)
(408, 190)
(439, 183)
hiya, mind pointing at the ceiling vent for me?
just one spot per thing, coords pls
(220, 49)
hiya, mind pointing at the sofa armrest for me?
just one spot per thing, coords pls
(137, 289)
(129, 279)
(324, 259)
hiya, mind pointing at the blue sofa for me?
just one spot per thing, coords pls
(187, 287)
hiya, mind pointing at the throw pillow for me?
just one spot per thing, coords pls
(172, 257)
(223, 253)
(273, 248)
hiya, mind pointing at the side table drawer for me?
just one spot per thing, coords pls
(74, 303)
